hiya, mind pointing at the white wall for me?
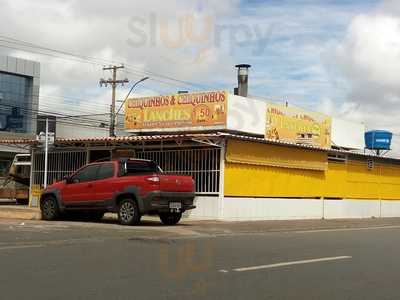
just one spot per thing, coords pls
(76, 131)
(252, 209)
(339, 209)
(390, 209)
(246, 114)
(347, 134)
(256, 209)
(206, 209)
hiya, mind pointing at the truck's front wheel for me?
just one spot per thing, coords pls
(49, 208)
(170, 218)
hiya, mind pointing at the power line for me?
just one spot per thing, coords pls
(34, 111)
(71, 108)
(50, 112)
(184, 82)
(32, 45)
(86, 104)
(88, 59)
(165, 79)
(35, 117)
(70, 98)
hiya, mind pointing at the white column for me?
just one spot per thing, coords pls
(221, 195)
(31, 178)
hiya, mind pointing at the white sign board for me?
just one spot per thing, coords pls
(42, 138)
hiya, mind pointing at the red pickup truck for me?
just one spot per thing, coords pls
(129, 187)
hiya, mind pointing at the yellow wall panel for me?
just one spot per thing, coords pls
(335, 183)
(390, 174)
(264, 181)
(277, 156)
(351, 180)
(358, 172)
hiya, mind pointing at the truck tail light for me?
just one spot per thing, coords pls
(153, 179)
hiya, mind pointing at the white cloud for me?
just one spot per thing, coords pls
(98, 29)
(369, 59)
(371, 52)
(296, 63)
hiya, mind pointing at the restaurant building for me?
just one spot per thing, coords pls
(251, 159)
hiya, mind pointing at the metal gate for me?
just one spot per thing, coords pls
(60, 164)
(202, 164)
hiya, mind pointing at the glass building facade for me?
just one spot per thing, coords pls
(19, 103)
(19, 97)
(16, 114)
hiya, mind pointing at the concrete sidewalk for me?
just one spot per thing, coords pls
(15, 212)
(19, 212)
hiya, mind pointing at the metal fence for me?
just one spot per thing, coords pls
(202, 164)
(60, 164)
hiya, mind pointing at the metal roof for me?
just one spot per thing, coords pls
(211, 135)
(162, 137)
(140, 138)
(117, 139)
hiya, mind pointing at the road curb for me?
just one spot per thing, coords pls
(21, 213)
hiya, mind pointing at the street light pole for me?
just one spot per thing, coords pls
(127, 96)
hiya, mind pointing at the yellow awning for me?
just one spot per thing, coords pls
(246, 152)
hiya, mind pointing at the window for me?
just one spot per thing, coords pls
(139, 167)
(15, 96)
(87, 174)
(4, 167)
(105, 171)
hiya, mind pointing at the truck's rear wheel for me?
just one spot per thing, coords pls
(128, 212)
(170, 218)
(49, 209)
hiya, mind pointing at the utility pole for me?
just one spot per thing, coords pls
(113, 82)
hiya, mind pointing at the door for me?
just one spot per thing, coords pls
(80, 187)
(104, 185)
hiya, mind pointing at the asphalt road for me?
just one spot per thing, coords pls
(41, 260)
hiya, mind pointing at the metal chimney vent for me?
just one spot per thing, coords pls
(243, 79)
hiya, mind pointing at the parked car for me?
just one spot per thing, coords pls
(129, 187)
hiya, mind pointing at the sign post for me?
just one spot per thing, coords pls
(46, 153)
(46, 138)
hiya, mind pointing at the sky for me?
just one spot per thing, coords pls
(338, 57)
